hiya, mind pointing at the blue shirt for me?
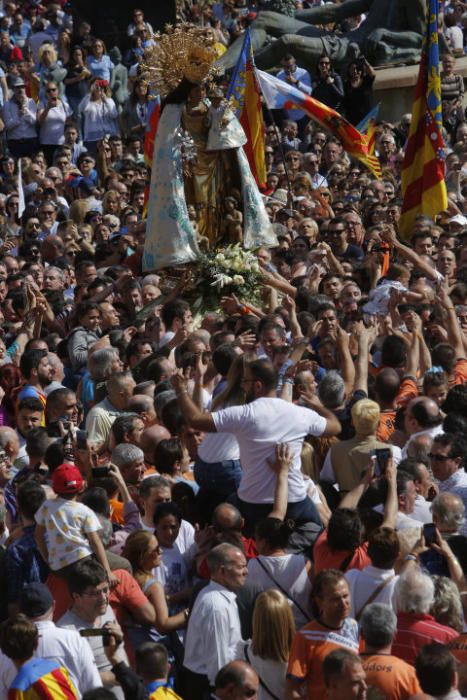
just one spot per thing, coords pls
(304, 84)
(100, 67)
(24, 564)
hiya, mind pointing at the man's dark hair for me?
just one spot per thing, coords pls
(456, 400)
(57, 396)
(335, 663)
(86, 573)
(151, 660)
(18, 638)
(436, 668)
(457, 444)
(29, 498)
(30, 403)
(344, 530)
(123, 425)
(164, 509)
(166, 454)
(411, 466)
(31, 360)
(223, 357)
(402, 479)
(326, 577)
(37, 443)
(444, 355)
(172, 310)
(455, 423)
(383, 547)
(393, 352)
(263, 371)
(96, 499)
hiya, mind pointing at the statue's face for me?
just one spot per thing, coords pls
(196, 94)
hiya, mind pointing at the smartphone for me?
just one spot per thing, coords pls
(100, 472)
(93, 632)
(81, 441)
(429, 533)
(381, 460)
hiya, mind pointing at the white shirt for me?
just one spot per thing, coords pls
(213, 632)
(422, 510)
(258, 427)
(52, 130)
(272, 673)
(432, 432)
(67, 524)
(363, 583)
(289, 571)
(457, 484)
(71, 621)
(219, 447)
(67, 648)
(20, 125)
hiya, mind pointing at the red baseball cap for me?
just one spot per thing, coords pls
(67, 479)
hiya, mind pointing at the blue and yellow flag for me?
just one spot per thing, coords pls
(422, 177)
(246, 98)
(368, 127)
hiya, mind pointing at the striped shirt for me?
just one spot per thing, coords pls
(42, 679)
(311, 645)
(414, 631)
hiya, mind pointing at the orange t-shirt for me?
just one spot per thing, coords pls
(326, 558)
(387, 421)
(395, 678)
(117, 511)
(459, 376)
(311, 645)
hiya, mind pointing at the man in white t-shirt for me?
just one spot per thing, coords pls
(259, 425)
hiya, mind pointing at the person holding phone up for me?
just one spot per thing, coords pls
(52, 117)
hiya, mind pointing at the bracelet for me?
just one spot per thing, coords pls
(289, 381)
(410, 557)
(180, 393)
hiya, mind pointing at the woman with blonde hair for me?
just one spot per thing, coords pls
(48, 70)
(269, 649)
(144, 554)
(447, 605)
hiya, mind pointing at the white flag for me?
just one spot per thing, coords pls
(21, 203)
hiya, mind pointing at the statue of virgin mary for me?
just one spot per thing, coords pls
(198, 158)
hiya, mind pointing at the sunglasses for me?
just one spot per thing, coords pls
(440, 458)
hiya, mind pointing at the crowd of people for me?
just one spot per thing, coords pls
(262, 501)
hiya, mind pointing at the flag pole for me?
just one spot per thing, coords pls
(281, 150)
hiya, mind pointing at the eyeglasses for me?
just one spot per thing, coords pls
(87, 160)
(51, 90)
(324, 63)
(440, 458)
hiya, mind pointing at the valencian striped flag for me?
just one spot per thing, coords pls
(42, 679)
(368, 127)
(152, 120)
(280, 95)
(246, 99)
(422, 177)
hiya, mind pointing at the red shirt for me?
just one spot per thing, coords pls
(414, 631)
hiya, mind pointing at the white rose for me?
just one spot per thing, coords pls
(238, 279)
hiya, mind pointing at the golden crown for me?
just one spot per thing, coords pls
(183, 51)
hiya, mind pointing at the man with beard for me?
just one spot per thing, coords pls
(37, 371)
(259, 425)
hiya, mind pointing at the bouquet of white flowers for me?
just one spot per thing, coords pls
(225, 271)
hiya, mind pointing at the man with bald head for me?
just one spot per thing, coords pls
(391, 393)
(236, 680)
(143, 405)
(422, 417)
(151, 437)
(448, 512)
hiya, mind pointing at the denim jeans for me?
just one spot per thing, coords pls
(301, 512)
(221, 477)
(216, 481)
